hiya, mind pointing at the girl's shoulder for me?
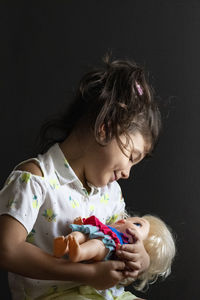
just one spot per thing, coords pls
(31, 167)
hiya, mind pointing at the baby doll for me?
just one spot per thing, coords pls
(92, 240)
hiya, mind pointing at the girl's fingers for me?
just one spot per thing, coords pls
(128, 256)
(119, 265)
(133, 266)
(129, 248)
(133, 274)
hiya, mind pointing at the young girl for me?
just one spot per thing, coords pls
(90, 239)
(112, 124)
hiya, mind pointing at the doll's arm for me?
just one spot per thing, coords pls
(78, 221)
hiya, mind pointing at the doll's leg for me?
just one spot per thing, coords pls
(90, 249)
(79, 236)
(60, 246)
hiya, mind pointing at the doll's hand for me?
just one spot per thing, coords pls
(106, 274)
(78, 221)
(134, 255)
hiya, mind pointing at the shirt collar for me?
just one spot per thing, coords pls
(64, 171)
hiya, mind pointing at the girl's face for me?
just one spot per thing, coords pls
(104, 164)
(139, 225)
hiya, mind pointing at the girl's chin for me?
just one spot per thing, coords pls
(112, 180)
(99, 184)
(102, 183)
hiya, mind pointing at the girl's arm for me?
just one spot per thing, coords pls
(18, 256)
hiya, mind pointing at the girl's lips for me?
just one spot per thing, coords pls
(116, 178)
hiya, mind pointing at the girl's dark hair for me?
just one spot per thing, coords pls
(109, 96)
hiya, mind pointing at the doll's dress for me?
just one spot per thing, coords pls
(110, 236)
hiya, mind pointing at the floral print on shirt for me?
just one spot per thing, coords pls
(49, 215)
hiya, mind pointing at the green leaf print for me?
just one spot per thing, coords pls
(35, 202)
(25, 177)
(30, 236)
(112, 219)
(54, 184)
(49, 215)
(11, 203)
(91, 208)
(74, 203)
(104, 199)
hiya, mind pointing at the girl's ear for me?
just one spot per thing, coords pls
(102, 132)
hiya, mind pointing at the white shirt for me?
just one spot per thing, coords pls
(47, 205)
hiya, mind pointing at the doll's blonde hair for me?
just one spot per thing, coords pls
(160, 245)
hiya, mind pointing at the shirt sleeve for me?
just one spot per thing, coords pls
(21, 197)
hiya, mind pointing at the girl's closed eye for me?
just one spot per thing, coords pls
(134, 158)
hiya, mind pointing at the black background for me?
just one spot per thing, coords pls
(45, 48)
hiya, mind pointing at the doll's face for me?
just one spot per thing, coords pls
(139, 225)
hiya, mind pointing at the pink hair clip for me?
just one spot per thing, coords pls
(139, 89)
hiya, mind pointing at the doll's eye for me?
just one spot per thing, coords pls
(138, 224)
(131, 159)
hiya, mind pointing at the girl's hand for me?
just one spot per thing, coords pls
(134, 255)
(105, 274)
